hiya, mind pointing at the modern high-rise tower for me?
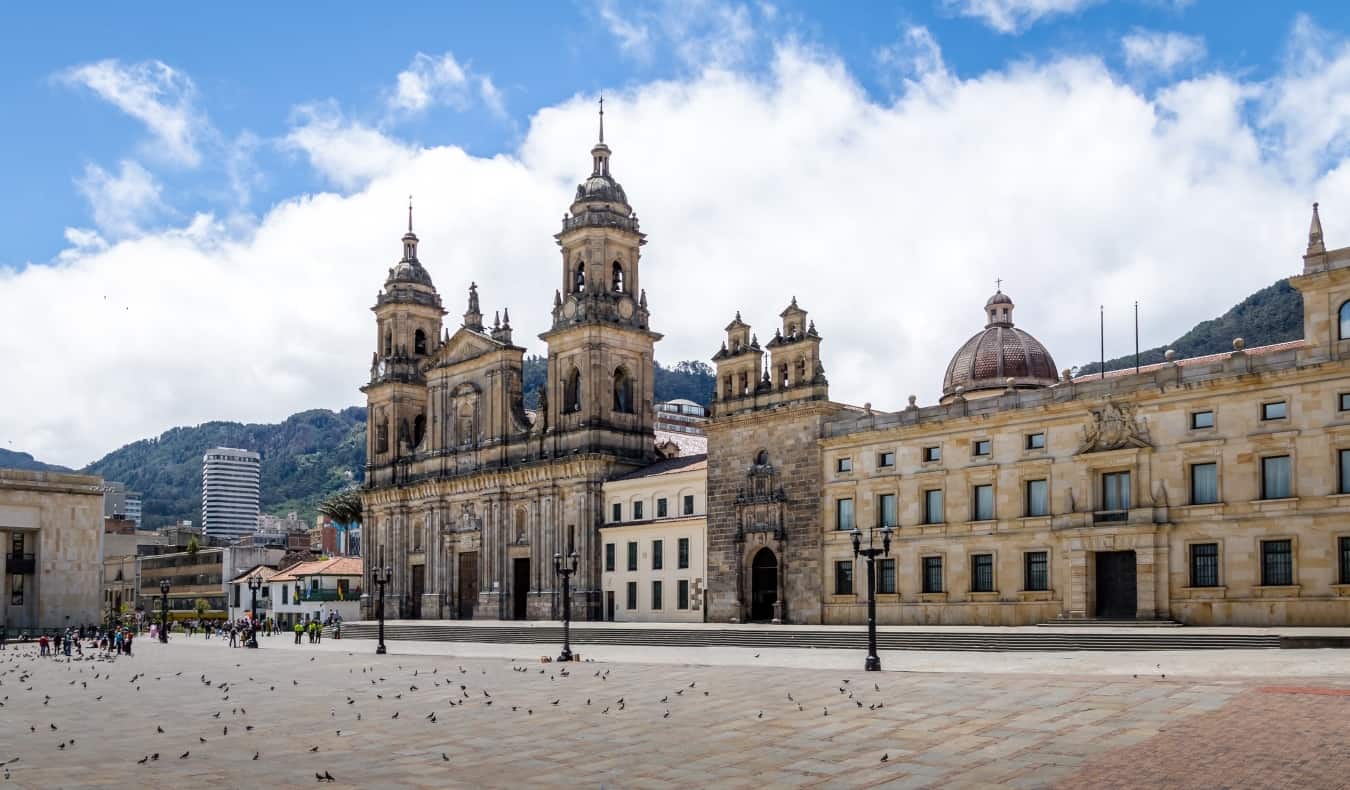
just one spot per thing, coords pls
(229, 492)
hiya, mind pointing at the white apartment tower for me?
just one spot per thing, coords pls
(229, 492)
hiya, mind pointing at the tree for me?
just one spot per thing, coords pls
(344, 507)
(202, 608)
(192, 546)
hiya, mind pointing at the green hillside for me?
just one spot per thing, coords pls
(13, 460)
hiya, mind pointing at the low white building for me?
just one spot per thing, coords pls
(240, 597)
(316, 589)
(654, 538)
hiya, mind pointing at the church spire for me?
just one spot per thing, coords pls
(410, 238)
(473, 318)
(602, 117)
(600, 153)
(1315, 244)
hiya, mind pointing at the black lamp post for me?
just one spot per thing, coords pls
(873, 663)
(254, 585)
(566, 571)
(164, 609)
(380, 582)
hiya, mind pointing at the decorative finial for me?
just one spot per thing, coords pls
(1315, 243)
(410, 214)
(506, 318)
(998, 284)
(602, 117)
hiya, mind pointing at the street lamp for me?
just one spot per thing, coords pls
(566, 571)
(873, 663)
(254, 585)
(164, 585)
(380, 582)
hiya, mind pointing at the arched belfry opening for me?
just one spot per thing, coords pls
(579, 278)
(616, 278)
(572, 391)
(623, 391)
(420, 342)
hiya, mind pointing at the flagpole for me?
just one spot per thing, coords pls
(1101, 335)
(1136, 337)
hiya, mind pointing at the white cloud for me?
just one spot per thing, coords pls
(701, 34)
(888, 220)
(120, 202)
(1014, 16)
(492, 98)
(153, 93)
(1161, 52)
(430, 80)
(633, 36)
(915, 57)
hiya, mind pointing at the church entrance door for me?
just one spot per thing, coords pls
(1116, 592)
(763, 585)
(467, 596)
(520, 587)
(419, 586)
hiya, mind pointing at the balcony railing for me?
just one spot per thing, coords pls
(331, 595)
(20, 564)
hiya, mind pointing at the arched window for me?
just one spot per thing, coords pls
(801, 371)
(579, 278)
(726, 386)
(420, 342)
(623, 391)
(404, 433)
(520, 517)
(419, 429)
(388, 344)
(382, 436)
(744, 383)
(762, 458)
(572, 392)
(1345, 321)
(616, 281)
(783, 376)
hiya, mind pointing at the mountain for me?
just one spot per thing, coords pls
(1271, 315)
(12, 460)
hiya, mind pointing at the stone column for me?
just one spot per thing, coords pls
(1078, 570)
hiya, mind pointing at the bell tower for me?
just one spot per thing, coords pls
(600, 347)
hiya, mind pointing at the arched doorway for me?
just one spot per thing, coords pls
(763, 585)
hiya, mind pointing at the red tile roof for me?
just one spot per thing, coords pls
(337, 566)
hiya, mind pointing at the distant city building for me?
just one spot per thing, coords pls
(290, 523)
(681, 416)
(204, 574)
(229, 493)
(118, 501)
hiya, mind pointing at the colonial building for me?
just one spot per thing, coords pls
(1212, 490)
(469, 494)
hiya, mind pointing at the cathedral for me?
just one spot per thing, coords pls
(469, 494)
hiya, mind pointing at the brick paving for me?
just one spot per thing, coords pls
(677, 725)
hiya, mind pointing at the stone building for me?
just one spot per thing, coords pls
(51, 549)
(468, 494)
(1211, 490)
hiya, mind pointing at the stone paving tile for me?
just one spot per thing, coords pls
(947, 730)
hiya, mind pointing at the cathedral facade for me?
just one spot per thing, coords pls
(469, 495)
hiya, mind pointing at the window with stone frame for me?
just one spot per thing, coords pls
(656, 595)
(682, 594)
(1204, 564)
(1204, 483)
(1277, 563)
(631, 591)
(886, 584)
(658, 554)
(609, 557)
(982, 502)
(1275, 477)
(632, 555)
(843, 514)
(843, 577)
(932, 574)
(661, 507)
(682, 553)
(982, 573)
(688, 504)
(1036, 571)
(1343, 559)
(1038, 498)
(932, 506)
(887, 510)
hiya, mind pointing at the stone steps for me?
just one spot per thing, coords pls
(824, 638)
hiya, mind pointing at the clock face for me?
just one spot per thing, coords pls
(626, 307)
(570, 308)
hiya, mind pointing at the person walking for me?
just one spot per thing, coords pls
(298, 630)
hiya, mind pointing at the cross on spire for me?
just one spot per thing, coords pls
(602, 117)
(410, 213)
(998, 283)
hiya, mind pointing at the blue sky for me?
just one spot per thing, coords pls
(200, 205)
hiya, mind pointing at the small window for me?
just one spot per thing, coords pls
(932, 506)
(932, 574)
(637, 510)
(886, 510)
(661, 507)
(1204, 483)
(1274, 411)
(656, 595)
(1344, 401)
(632, 555)
(1277, 563)
(1038, 498)
(1344, 316)
(1344, 457)
(843, 465)
(609, 557)
(981, 573)
(658, 554)
(682, 594)
(982, 446)
(682, 559)
(843, 577)
(1343, 550)
(843, 514)
(1202, 419)
(983, 500)
(632, 596)
(1036, 441)
(886, 583)
(886, 460)
(1204, 565)
(932, 454)
(616, 512)
(689, 504)
(1116, 491)
(1036, 571)
(1275, 483)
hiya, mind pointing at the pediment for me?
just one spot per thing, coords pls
(465, 345)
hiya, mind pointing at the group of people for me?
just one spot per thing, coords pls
(72, 641)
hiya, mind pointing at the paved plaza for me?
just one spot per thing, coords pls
(280, 715)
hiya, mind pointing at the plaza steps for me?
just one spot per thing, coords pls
(1097, 622)
(823, 638)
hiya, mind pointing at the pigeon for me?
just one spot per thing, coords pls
(885, 757)
(314, 748)
(667, 715)
(154, 757)
(143, 760)
(200, 738)
(184, 755)
(327, 777)
(445, 757)
(761, 715)
(255, 755)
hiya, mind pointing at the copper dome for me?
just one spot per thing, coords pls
(998, 353)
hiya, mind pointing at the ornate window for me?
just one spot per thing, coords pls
(579, 278)
(419, 342)
(419, 429)
(382, 435)
(623, 391)
(388, 344)
(572, 392)
(1345, 321)
(616, 280)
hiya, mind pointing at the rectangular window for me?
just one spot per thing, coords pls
(1038, 497)
(609, 557)
(632, 555)
(661, 507)
(1202, 419)
(932, 506)
(1204, 565)
(1036, 441)
(637, 510)
(983, 500)
(632, 596)
(843, 465)
(982, 573)
(616, 512)
(656, 595)
(658, 554)
(1274, 411)
(886, 459)
(1036, 570)
(886, 509)
(886, 584)
(982, 446)
(1277, 563)
(1344, 456)
(1116, 491)
(843, 514)
(932, 574)
(1343, 550)
(1275, 482)
(689, 504)
(682, 594)
(683, 552)
(285, 594)
(843, 577)
(931, 454)
(1344, 399)
(1204, 484)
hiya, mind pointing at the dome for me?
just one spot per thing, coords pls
(600, 188)
(998, 353)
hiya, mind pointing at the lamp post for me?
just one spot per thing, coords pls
(164, 585)
(873, 663)
(566, 571)
(254, 585)
(380, 582)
